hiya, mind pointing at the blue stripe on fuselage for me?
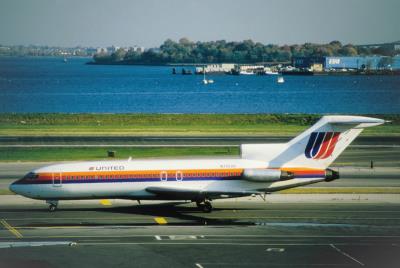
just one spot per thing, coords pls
(151, 180)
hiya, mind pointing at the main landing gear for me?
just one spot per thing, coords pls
(204, 205)
(52, 205)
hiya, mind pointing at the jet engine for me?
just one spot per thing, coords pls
(267, 175)
(331, 175)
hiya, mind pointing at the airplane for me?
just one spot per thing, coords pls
(260, 169)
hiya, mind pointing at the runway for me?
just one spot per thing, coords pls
(284, 231)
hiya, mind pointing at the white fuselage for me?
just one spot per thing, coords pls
(130, 179)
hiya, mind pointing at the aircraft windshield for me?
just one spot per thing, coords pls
(31, 176)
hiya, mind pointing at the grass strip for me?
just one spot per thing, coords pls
(6, 192)
(42, 124)
(39, 154)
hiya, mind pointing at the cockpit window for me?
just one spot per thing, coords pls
(31, 176)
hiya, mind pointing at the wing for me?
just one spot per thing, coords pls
(191, 194)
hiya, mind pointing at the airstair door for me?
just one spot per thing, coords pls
(57, 179)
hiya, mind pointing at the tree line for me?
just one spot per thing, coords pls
(247, 51)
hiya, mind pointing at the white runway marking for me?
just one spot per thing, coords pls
(182, 237)
(35, 244)
(275, 250)
(157, 237)
(198, 265)
(347, 255)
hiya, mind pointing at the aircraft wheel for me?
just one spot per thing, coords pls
(52, 208)
(207, 207)
(199, 204)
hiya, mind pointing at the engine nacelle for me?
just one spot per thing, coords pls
(331, 175)
(267, 175)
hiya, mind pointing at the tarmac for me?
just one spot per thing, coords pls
(284, 230)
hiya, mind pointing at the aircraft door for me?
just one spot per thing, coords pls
(57, 179)
(163, 176)
(179, 176)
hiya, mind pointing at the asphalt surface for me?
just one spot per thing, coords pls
(328, 230)
(284, 231)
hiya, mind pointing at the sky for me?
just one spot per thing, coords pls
(148, 23)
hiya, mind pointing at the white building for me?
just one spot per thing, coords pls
(216, 68)
(101, 50)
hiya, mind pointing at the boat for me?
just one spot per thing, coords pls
(246, 73)
(280, 80)
(186, 72)
(206, 81)
(271, 73)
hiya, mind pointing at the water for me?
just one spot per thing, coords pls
(50, 85)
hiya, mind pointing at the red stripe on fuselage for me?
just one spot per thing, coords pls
(104, 176)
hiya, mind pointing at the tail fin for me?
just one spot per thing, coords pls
(317, 147)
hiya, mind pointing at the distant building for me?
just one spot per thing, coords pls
(249, 68)
(138, 49)
(216, 68)
(355, 63)
(306, 62)
(101, 50)
(112, 49)
(317, 67)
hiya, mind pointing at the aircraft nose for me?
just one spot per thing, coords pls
(13, 188)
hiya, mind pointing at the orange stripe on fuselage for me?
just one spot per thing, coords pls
(143, 173)
(96, 175)
(305, 171)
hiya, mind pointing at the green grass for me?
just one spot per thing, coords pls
(168, 124)
(90, 153)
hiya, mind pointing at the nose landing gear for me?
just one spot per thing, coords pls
(52, 205)
(204, 205)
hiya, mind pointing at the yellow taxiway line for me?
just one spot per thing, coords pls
(11, 229)
(105, 202)
(160, 220)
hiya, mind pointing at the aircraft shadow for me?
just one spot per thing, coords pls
(176, 214)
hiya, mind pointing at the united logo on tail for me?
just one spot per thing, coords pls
(321, 144)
